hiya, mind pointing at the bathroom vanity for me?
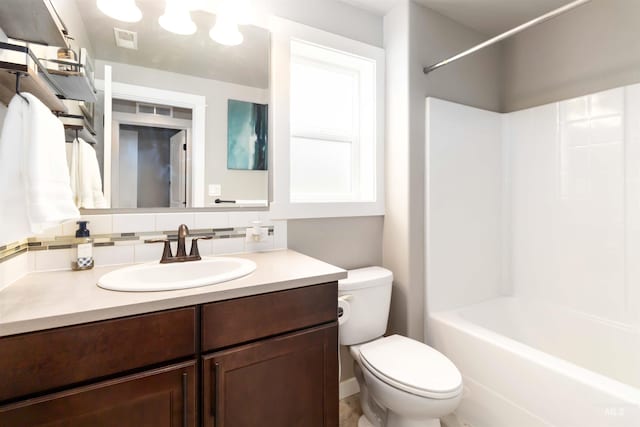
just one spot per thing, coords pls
(259, 350)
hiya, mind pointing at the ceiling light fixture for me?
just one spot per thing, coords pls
(235, 10)
(177, 19)
(226, 32)
(121, 10)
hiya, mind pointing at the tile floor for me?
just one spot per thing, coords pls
(350, 412)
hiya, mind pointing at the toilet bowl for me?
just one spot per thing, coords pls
(403, 382)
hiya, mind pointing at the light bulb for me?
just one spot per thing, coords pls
(226, 32)
(121, 10)
(177, 19)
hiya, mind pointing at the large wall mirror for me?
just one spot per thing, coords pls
(181, 120)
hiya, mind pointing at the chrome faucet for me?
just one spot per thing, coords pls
(181, 253)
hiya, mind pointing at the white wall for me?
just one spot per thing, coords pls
(236, 184)
(464, 214)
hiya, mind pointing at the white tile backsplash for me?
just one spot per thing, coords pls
(266, 244)
(147, 252)
(205, 247)
(14, 269)
(114, 255)
(243, 219)
(126, 252)
(280, 234)
(171, 221)
(211, 220)
(59, 259)
(131, 223)
(99, 224)
(228, 246)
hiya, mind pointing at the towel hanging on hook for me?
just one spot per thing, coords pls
(18, 75)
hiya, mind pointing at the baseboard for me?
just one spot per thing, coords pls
(348, 388)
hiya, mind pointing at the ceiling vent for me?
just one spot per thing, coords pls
(126, 39)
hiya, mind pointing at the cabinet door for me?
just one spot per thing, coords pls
(162, 397)
(286, 381)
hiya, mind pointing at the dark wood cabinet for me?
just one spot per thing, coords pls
(240, 320)
(160, 398)
(263, 360)
(287, 381)
(48, 360)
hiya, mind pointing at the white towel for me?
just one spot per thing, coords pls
(89, 181)
(72, 161)
(35, 193)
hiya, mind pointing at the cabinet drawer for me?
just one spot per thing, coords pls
(230, 322)
(41, 361)
(161, 397)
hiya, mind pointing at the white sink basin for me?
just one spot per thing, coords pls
(182, 275)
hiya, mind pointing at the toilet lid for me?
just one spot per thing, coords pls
(412, 366)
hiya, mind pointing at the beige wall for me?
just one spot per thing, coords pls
(345, 242)
(414, 37)
(589, 49)
(334, 16)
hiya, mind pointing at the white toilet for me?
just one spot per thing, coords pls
(403, 382)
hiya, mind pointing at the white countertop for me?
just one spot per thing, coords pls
(61, 298)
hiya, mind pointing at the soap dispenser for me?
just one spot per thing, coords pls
(84, 254)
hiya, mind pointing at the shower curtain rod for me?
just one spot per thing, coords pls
(506, 34)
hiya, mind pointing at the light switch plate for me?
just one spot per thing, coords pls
(215, 190)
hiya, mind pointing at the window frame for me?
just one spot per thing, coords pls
(282, 206)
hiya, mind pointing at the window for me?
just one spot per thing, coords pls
(333, 132)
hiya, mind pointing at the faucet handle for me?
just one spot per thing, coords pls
(166, 252)
(195, 253)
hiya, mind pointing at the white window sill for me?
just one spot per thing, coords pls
(325, 210)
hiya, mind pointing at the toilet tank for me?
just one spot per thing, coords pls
(364, 296)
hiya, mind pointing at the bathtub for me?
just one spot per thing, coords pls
(528, 363)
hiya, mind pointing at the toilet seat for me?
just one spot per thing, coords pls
(412, 366)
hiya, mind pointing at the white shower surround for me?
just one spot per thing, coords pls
(542, 204)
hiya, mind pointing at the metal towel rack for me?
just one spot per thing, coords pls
(18, 76)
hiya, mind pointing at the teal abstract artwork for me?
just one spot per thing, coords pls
(247, 134)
